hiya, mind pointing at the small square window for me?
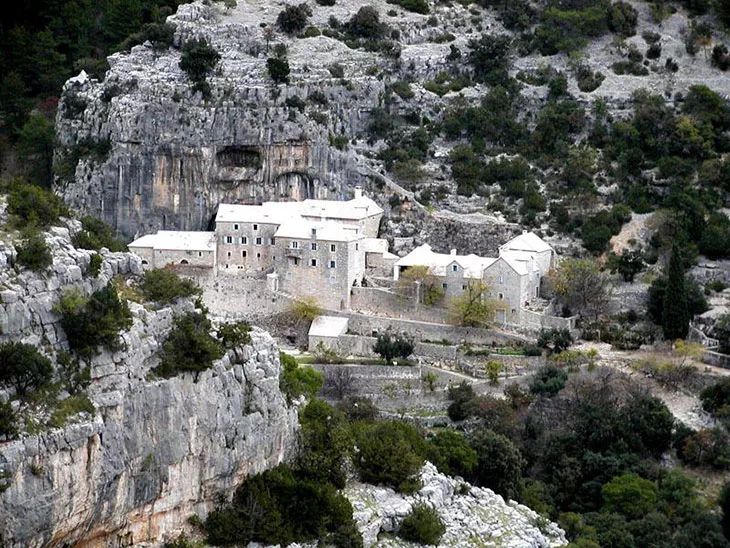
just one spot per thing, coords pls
(273, 241)
(295, 245)
(244, 240)
(500, 296)
(444, 286)
(513, 311)
(200, 253)
(463, 288)
(333, 248)
(244, 253)
(296, 261)
(313, 262)
(454, 268)
(314, 246)
(235, 227)
(255, 227)
(229, 239)
(333, 264)
(258, 241)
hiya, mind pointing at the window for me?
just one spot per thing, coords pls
(333, 264)
(229, 239)
(229, 253)
(314, 232)
(513, 311)
(501, 279)
(314, 246)
(200, 253)
(454, 268)
(357, 246)
(333, 248)
(463, 287)
(235, 227)
(272, 241)
(258, 241)
(244, 253)
(258, 255)
(295, 245)
(313, 262)
(255, 227)
(500, 296)
(444, 286)
(244, 240)
(296, 261)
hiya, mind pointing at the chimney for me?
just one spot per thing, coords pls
(358, 192)
(453, 252)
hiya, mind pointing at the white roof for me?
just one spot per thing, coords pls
(524, 258)
(176, 240)
(437, 263)
(328, 326)
(278, 212)
(301, 229)
(527, 241)
(518, 266)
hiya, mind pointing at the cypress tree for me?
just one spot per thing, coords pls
(675, 316)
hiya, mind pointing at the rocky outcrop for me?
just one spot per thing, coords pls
(473, 516)
(155, 451)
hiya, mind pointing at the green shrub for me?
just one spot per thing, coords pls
(390, 346)
(295, 381)
(23, 367)
(622, 18)
(198, 60)
(278, 70)
(189, 347)
(416, 6)
(293, 18)
(95, 262)
(95, 234)
(73, 405)
(366, 24)
(31, 205)
(234, 335)
(422, 525)
(94, 321)
(389, 453)
(548, 380)
(499, 465)
(462, 401)
(451, 454)
(8, 424)
(164, 286)
(630, 495)
(34, 254)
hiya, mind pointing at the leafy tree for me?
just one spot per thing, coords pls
(717, 396)
(499, 464)
(164, 286)
(648, 425)
(15, 103)
(622, 18)
(422, 525)
(325, 444)
(675, 315)
(554, 339)
(431, 291)
(198, 60)
(715, 241)
(31, 205)
(305, 309)
(393, 346)
(628, 264)
(293, 18)
(358, 409)
(473, 308)
(94, 321)
(389, 453)
(696, 302)
(724, 501)
(580, 285)
(462, 400)
(366, 24)
(278, 70)
(34, 253)
(488, 57)
(23, 367)
(295, 381)
(234, 335)
(189, 347)
(451, 454)
(548, 380)
(630, 495)
(35, 150)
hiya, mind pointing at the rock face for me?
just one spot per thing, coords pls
(473, 516)
(155, 451)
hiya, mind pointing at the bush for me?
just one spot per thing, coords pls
(34, 254)
(95, 262)
(452, 454)
(554, 339)
(422, 525)
(278, 70)
(717, 396)
(630, 495)
(366, 24)
(462, 401)
(622, 18)
(293, 19)
(73, 405)
(95, 234)
(358, 409)
(164, 286)
(393, 346)
(295, 381)
(31, 205)
(389, 453)
(23, 367)
(499, 465)
(234, 335)
(189, 347)
(548, 380)
(416, 6)
(94, 321)
(8, 428)
(198, 60)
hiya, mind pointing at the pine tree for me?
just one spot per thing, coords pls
(675, 316)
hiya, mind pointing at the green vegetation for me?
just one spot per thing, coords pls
(390, 346)
(555, 340)
(30, 205)
(189, 347)
(164, 286)
(278, 69)
(296, 381)
(24, 368)
(548, 381)
(234, 335)
(34, 253)
(451, 453)
(422, 525)
(293, 18)
(96, 234)
(95, 262)
(676, 314)
(472, 308)
(93, 322)
(198, 61)
(73, 405)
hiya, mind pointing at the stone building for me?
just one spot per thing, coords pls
(513, 277)
(172, 247)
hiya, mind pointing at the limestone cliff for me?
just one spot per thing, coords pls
(155, 451)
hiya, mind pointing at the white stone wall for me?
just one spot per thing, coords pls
(505, 282)
(236, 257)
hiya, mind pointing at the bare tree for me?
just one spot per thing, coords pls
(339, 382)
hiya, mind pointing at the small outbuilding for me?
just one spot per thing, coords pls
(327, 330)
